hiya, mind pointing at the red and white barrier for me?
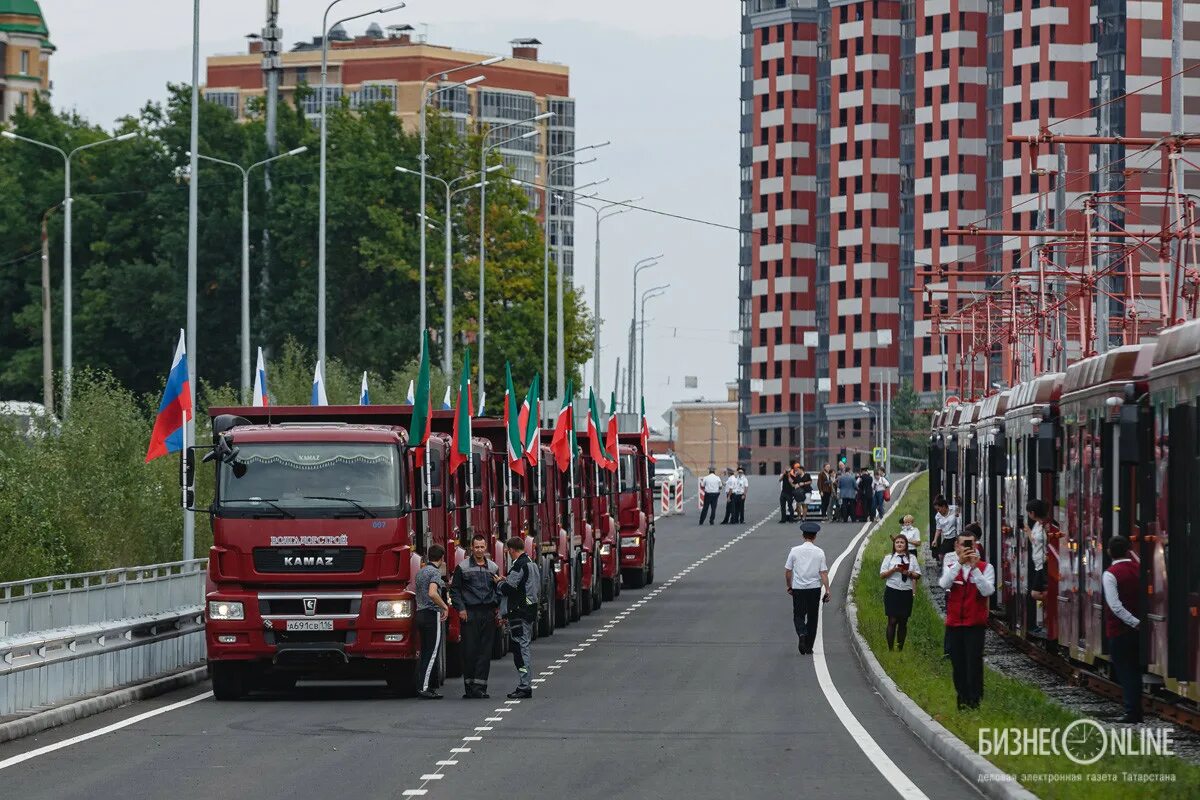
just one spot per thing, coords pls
(679, 498)
(665, 497)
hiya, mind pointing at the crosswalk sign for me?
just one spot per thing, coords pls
(879, 454)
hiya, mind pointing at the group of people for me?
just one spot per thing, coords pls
(846, 496)
(734, 487)
(480, 595)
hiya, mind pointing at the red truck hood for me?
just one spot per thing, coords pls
(310, 551)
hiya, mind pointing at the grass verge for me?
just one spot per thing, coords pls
(924, 675)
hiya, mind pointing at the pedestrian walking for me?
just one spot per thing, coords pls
(945, 522)
(804, 484)
(825, 485)
(912, 533)
(864, 495)
(787, 494)
(806, 573)
(520, 590)
(431, 614)
(710, 485)
(1122, 626)
(473, 593)
(880, 487)
(900, 572)
(969, 581)
(848, 492)
(740, 495)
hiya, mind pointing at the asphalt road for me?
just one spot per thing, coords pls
(690, 688)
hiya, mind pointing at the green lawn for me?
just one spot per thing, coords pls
(924, 675)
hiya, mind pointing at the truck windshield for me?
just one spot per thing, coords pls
(312, 475)
(630, 477)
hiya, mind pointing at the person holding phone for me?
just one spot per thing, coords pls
(805, 573)
(901, 572)
(969, 581)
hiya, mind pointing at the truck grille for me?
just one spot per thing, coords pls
(309, 559)
(310, 637)
(294, 606)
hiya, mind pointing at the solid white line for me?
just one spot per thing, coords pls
(116, 726)
(870, 748)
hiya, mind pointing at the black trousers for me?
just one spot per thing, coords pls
(825, 498)
(478, 635)
(710, 505)
(965, 643)
(847, 509)
(739, 508)
(806, 605)
(730, 510)
(787, 510)
(429, 627)
(1128, 668)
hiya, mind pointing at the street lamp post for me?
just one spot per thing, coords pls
(483, 154)
(599, 210)
(68, 206)
(425, 95)
(246, 253)
(649, 294)
(448, 278)
(645, 263)
(875, 414)
(325, 28)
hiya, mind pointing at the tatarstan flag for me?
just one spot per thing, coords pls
(599, 455)
(422, 412)
(460, 449)
(531, 418)
(563, 443)
(512, 427)
(646, 434)
(611, 440)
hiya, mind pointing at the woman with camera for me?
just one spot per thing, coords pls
(900, 571)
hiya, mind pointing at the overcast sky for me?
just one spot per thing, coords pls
(658, 79)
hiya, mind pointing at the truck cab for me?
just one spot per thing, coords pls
(635, 513)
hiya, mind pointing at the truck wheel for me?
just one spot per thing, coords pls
(545, 622)
(228, 679)
(401, 677)
(635, 577)
(608, 588)
(561, 610)
(576, 592)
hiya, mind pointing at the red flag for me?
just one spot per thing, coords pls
(646, 434)
(564, 426)
(610, 442)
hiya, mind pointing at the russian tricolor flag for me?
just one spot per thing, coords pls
(260, 383)
(319, 398)
(175, 409)
(446, 400)
(364, 398)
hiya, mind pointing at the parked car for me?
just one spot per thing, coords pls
(667, 472)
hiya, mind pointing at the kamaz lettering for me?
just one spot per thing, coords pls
(308, 561)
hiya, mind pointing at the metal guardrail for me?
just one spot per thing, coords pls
(66, 636)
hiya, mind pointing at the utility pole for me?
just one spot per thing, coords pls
(47, 335)
(189, 434)
(1060, 205)
(272, 36)
(712, 438)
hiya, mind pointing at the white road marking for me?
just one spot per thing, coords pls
(116, 726)
(432, 776)
(870, 748)
(413, 792)
(472, 738)
(483, 728)
(494, 719)
(460, 749)
(450, 762)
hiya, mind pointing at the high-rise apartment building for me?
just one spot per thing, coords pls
(379, 67)
(913, 102)
(25, 52)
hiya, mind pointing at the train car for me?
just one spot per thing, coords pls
(1099, 481)
(1170, 548)
(992, 460)
(967, 468)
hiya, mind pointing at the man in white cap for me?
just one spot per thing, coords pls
(806, 574)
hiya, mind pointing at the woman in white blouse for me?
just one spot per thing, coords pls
(901, 572)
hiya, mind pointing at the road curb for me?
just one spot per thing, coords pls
(985, 776)
(80, 709)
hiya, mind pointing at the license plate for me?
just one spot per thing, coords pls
(310, 624)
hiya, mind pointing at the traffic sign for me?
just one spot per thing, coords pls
(879, 454)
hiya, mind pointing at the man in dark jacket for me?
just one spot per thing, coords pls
(473, 592)
(520, 589)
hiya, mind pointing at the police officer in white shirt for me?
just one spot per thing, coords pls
(743, 485)
(735, 498)
(710, 486)
(806, 573)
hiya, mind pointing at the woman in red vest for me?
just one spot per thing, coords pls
(1121, 581)
(968, 581)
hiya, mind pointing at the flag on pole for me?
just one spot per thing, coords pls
(460, 449)
(512, 428)
(260, 383)
(611, 440)
(596, 446)
(319, 398)
(562, 444)
(482, 399)
(646, 434)
(175, 409)
(446, 400)
(410, 398)
(364, 399)
(531, 411)
(418, 429)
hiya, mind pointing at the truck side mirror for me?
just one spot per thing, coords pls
(435, 498)
(477, 497)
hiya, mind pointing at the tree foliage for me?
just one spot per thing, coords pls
(130, 250)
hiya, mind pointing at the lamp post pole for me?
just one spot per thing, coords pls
(321, 239)
(68, 206)
(246, 171)
(598, 211)
(645, 263)
(649, 294)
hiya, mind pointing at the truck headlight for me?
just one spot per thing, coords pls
(606, 549)
(631, 541)
(393, 609)
(225, 609)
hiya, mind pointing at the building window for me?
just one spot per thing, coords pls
(24, 62)
(373, 93)
(564, 113)
(227, 100)
(505, 105)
